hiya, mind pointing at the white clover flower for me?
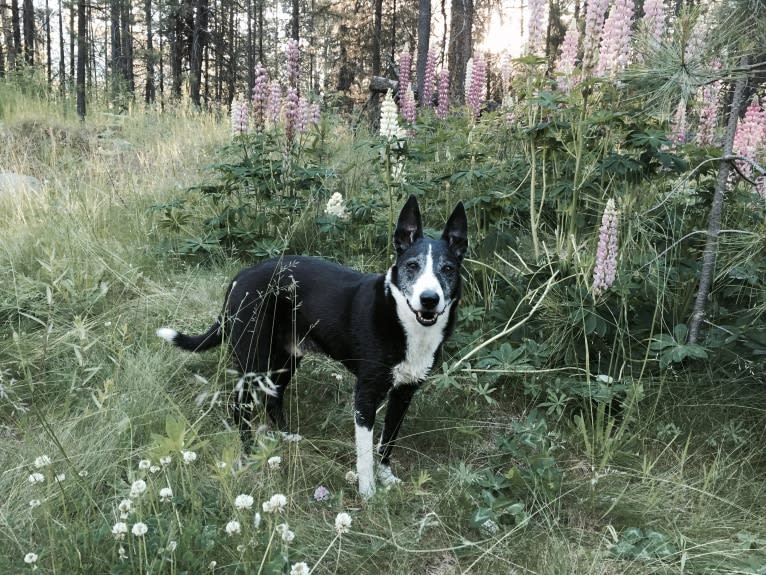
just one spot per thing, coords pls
(212, 565)
(121, 551)
(34, 503)
(342, 523)
(351, 477)
(36, 477)
(276, 504)
(154, 469)
(220, 464)
(30, 558)
(83, 473)
(241, 548)
(288, 536)
(300, 569)
(165, 460)
(124, 508)
(137, 488)
(139, 529)
(281, 528)
(119, 530)
(292, 437)
(335, 207)
(243, 502)
(144, 464)
(60, 477)
(165, 494)
(274, 462)
(257, 520)
(189, 456)
(171, 546)
(233, 528)
(42, 461)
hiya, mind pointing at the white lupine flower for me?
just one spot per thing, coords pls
(144, 464)
(119, 530)
(274, 462)
(189, 456)
(233, 528)
(139, 529)
(165, 494)
(342, 523)
(389, 122)
(300, 569)
(36, 477)
(137, 488)
(276, 504)
(42, 461)
(243, 502)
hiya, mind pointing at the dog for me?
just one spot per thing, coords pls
(387, 329)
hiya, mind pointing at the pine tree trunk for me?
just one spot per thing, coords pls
(28, 17)
(149, 92)
(82, 57)
(424, 36)
(460, 46)
(48, 59)
(197, 48)
(16, 26)
(62, 58)
(714, 224)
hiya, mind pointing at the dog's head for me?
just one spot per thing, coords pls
(426, 275)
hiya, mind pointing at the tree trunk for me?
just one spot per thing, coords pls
(48, 59)
(127, 46)
(149, 92)
(176, 48)
(460, 46)
(28, 17)
(16, 25)
(714, 224)
(62, 58)
(250, 50)
(116, 46)
(82, 57)
(424, 38)
(197, 48)
(295, 31)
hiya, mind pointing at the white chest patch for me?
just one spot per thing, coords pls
(422, 341)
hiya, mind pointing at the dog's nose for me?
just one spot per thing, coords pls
(429, 299)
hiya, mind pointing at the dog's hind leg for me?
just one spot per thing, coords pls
(280, 378)
(399, 399)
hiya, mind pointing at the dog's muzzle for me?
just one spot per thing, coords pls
(426, 318)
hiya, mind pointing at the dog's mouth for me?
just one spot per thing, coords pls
(426, 318)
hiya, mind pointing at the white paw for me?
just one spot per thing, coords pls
(387, 476)
(366, 488)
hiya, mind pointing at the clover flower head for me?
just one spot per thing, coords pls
(351, 477)
(125, 507)
(300, 569)
(276, 504)
(60, 477)
(166, 493)
(233, 528)
(137, 488)
(154, 469)
(342, 523)
(30, 558)
(36, 477)
(119, 530)
(335, 207)
(243, 501)
(189, 456)
(139, 529)
(34, 503)
(489, 527)
(144, 464)
(276, 461)
(293, 437)
(42, 461)
(321, 493)
(283, 529)
(165, 460)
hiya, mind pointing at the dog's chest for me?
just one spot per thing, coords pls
(420, 352)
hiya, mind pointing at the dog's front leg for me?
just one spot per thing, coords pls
(399, 400)
(367, 397)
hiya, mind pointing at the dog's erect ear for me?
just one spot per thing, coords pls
(456, 231)
(409, 228)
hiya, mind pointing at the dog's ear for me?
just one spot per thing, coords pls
(409, 227)
(456, 231)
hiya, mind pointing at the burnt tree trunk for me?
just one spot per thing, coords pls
(82, 57)
(460, 46)
(424, 36)
(150, 90)
(197, 48)
(28, 18)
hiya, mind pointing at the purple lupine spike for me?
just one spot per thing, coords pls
(260, 97)
(428, 80)
(293, 62)
(239, 116)
(654, 21)
(405, 71)
(475, 95)
(567, 61)
(442, 105)
(615, 38)
(594, 22)
(605, 271)
(274, 104)
(291, 113)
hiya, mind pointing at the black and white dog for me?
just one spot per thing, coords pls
(386, 329)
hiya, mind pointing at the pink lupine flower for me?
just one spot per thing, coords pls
(568, 58)
(654, 21)
(442, 106)
(405, 71)
(615, 38)
(291, 113)
(293, 63)
(407, 105)
(536, 28)
(695, 45)
(594, 22)
(750, 137)
(475, 96)
(274, 103)
(505, 71)
(708, 112)
(605, 271)
(678, 125)
(260, 97)
(239, 116)
(428, 80)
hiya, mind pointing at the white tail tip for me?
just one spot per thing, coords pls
(168, 334)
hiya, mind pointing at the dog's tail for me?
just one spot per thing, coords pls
(208, 340)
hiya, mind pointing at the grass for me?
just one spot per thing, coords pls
(674, 487)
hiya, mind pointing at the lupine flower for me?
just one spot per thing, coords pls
(139, 529)
(144, 464)
(243, 502)
(233, 528)
(42, 461)
(389, 122)
(239, 117)
(36, 477)
(536, 27)
(119, 530)
(304, 116)
(165, 494)
(568, 57)
(605, 271)
(342, 523)
(475, 96)
(405, 71)
(321, 493)
(428, 80)
(678, 125)
(300, 569)
(335, 207)
(260, 96)
(274, 103)
(594, 22)
(615, 38)
(30, 558)
(137, 488)
(708, 112)
(695, 45)
(442, 105)
(408, 105)
(293, 64)
(505, 72)
(291, 113)
(189, 456)
(750, 136)
(276, 504)
(654, 22)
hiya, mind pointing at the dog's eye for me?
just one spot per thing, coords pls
(447, 269)
(413, 266)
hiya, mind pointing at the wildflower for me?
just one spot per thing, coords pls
(654, 22)
(389, 124)
(60, 477)
(293, 62)
(243, 502)
(405, 70)
(119, 530)
(295, 437)
(36, 477)
(594, 21)
(154, 469)
(708, 112)
(144, 464)
(442, 104)
(189, 456)
(605, 271)
(137, 488)
(291, 112)
(233, 528)
(407, 105)
(274, 102)
(288, 536)
(750, 135)
(678, 125)
(42, 461)
(122, 554)
(335, 207)
(276, 504)
(257, 520)
(139, 529)
(124, 508)
(489, 527)
(83, 473)
(260, 96)
(615, 38)
(241, 548)
(276, 461)
(300, 569)
(342, 523)
(304, 118)
(165, 460)
(165, 494)
(239, 116)
(30, 558)
(212, 565)
(475, 95)
(172, 545)
(34, 503)
(321, 493)
(568, 57)
(505, 72)
(428, 80)
(351, 477)
(536, 28)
